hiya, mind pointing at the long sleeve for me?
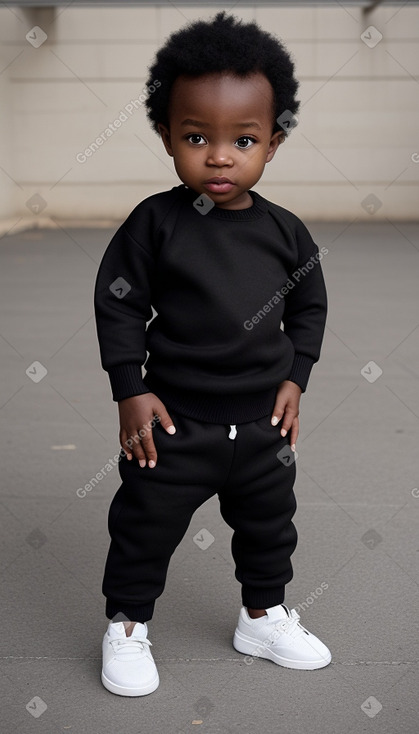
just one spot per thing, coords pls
(122, 302)
(305, 310)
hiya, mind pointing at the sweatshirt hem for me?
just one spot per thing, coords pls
(210, 408)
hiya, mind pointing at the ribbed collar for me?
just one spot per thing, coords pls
(256, 211)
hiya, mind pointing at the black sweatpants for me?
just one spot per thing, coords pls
(253, 475)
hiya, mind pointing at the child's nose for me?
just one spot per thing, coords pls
(220, 155)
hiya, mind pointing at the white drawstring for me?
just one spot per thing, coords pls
(233, 432)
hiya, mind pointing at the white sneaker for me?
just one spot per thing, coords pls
(278, 636)
(128, 667)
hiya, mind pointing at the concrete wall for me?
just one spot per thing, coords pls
(8, 186)
(356, 138)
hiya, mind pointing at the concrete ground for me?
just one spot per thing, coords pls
(355, 567)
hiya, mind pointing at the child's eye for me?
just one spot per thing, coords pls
(246, 137)
(194, 135)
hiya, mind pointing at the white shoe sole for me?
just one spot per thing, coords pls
(123, 691)
(248, 645)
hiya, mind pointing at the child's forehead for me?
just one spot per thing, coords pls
(225, 92)
(227, 81)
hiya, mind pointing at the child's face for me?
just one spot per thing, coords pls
(230, 136)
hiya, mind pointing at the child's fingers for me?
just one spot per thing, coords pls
(147, 440)
(277, 414)
(286, 423)
(137, 421)
(166, 420)
(131, 444)
(294, 432)
(125, 443)
(135, 443)
(147, 450)
(140, 455)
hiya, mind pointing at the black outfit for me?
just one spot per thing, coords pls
(221, 283)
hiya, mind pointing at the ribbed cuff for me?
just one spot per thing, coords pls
(262, 598)
(133, 612)
(126, 380)
(300, 370)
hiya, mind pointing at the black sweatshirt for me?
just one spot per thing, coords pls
(221, 281)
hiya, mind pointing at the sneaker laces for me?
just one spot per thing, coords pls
(291, 625)
(134, 643)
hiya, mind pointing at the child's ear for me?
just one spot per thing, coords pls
(276, 140)
(165, 136)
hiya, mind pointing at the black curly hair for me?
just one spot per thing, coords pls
(222, 44)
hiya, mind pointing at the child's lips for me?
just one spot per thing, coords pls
(219, 186)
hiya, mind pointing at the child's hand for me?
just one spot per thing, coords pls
(287, 405)
(137, 418)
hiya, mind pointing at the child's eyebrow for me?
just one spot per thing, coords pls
(197, 123)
